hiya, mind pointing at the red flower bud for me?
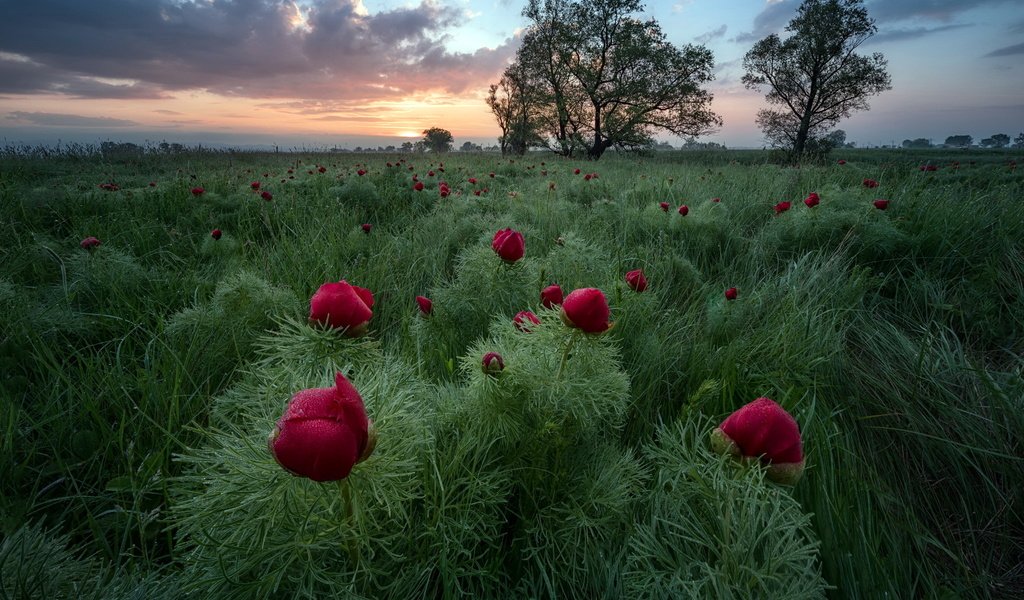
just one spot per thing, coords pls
(342, 306)
(366, 227)
(587, 309)
(664, 206)
(197, 191)
(684, 210)
(881, 204)
(636, 280)
(90, 243)
(492, 363)
(215, 234)
(551, 296)
(426, 305)
(522, 319)
(509, 245)
(731, 293)
(763, 430)
(323, 433)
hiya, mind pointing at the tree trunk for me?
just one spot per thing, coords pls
(801, 134)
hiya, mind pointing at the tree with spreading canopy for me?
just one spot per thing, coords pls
(959, 141)
(999, 140)
(814, 77)
(590, 76)
(437, 140)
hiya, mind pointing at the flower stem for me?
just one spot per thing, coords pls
(565, 353)
(346, 496)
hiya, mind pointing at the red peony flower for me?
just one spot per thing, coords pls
(322, 169)
(152, 184)
(881, 204)
(492, 363)
(731, 293)
(361, 172)
(576, 172)
(266, 195)
(472, 180)
(664, 206)
(636, 280)
(842, 162)
(684, 210)
(870, 183)
(366, 227)
(522, 319)
(587, 309)
(323, 433)
(426, 305)
(509, 245)
(197, 191)
(587, 177)
(812, 200)
(342, 306)
(763, 430)
(418, 186)
(551, 296)
(215, 234)
(255, 185)
(782, 207)
(90, 243)
(716, 200)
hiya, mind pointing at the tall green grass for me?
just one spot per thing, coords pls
(140, 379)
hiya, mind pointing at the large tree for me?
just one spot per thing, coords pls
(437, 140)
(596, 76)
(514, 104)
(815, 78)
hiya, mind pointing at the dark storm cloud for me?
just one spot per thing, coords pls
(235, 47)
(61, 120)
(1008, 50)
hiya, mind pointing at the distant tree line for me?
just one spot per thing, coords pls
(999, 140)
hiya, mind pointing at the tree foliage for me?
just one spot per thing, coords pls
(917, 143)
(1018, 142)
(959, 141)
(814, 77)
(437, 140)
(590, 75)
(999, 140)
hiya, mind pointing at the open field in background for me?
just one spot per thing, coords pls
(140, 379)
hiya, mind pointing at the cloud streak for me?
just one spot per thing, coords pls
(63, 120)
(1007, 51)
(243, 48)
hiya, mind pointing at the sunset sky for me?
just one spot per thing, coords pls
(378, 72)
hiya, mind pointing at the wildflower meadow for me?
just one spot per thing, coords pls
(685, 375)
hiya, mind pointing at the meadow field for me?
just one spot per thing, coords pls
(142, 376)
